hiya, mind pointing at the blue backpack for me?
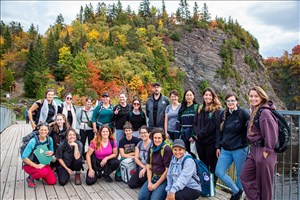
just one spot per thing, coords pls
(206, 178)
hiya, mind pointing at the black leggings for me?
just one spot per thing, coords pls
(187, 194)
(111, 165)
(62, 173)
(89, 134)
(135, 181)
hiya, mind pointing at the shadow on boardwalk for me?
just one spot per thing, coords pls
(13, 184)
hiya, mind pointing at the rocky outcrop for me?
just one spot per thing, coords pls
(198, 54)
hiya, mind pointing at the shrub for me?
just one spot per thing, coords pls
(175, 36)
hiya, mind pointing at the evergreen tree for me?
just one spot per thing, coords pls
(60, 19)
(195, 14)
(144, 9)
(32, 32)
(51, 51)
(206, 14)
(164, 16)
(80, 15)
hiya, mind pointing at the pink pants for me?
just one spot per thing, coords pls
(45, 173)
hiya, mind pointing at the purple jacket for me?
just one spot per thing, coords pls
(268, 131)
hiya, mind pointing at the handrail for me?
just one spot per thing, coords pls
(8, 117)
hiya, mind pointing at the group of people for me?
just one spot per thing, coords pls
(123, 131)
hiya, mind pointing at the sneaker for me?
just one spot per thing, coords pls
(30, 182)
(107, 178)
(118, 178)
(77, 179)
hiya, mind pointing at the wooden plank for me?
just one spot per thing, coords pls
(61, 192)
(40, 189)
(108, 189)
(71, 192)
(97, 188)
(133, 193)
(50, 192)
(82, 194)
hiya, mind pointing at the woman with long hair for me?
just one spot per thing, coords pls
(43, 110)
(136, 117)
(186, 117)
(101, 156)
(231, 144)
(58, 130)
(68, 109)
(206, 125)
(258, 171)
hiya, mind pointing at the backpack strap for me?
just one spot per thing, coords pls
(112, 144)
(182, 164)
(162, 153)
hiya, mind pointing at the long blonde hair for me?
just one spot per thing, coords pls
(97, 141)
(215, 104)
(265, 99)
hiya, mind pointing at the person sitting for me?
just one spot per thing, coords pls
(33, 167)
(127, 147)
(181, 176)
(69, 157)
(101, 156)
(140, 157)
(158, 162)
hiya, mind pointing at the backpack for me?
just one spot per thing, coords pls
(27, 138)
(206, 178)
(36, 113)
(162, 152)
(284, 132)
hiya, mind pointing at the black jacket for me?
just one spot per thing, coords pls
(234, 134)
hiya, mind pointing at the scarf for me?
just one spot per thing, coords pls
(65, 112)
(45, 109)
(157, 148)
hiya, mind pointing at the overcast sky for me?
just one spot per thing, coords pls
(274, 23)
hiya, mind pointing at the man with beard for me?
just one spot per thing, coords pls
(156, 106)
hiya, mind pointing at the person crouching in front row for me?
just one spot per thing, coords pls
(69, 155)
(101, 156)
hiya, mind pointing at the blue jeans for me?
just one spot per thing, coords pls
(119, 135)
(225, 159)
(158, 194)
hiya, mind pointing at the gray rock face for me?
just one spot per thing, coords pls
(197, 53)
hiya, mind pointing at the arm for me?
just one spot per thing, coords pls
(166, 125)
(219, 134)
(89, 153)
(31, 109)
(128, 155)
(161, 179)
(62, 163)
(94, 118)
(137, 158)
(27, 151)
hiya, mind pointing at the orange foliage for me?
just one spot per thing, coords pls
(213, 24)
(296, 50)
(93, 81)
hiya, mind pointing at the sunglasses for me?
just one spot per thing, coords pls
(69, 98)
(231, 101)
(136, 104)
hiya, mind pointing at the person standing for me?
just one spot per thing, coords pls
(156, 106)
(121, 111)
(186, 117)
(86, 126)
(43, 110)
(206, 125)
(231, 144)
(68, 109)
(136, 117)
(171, 115)
(26, 116)
(257, 174)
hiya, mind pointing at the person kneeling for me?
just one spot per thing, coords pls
(69, 156)
(101, 156)
(182, 179)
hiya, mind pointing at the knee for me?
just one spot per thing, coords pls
(91, 181)
(63, 181)
(51, 181)
(114, 164)
(219, 173)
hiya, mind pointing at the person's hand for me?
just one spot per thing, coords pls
(265, 154)
(95, 130)
(33, 125)
(117, 111)
(103, 162)
(49, 153)
(167, 135)
(39, 166)
(69, 170)
(154, 186)
(91, 173)
(218, 153)
(170, 196)
(142, 173)
(73, 144)
(191, 140)
(150, 184)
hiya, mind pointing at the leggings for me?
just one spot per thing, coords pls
(62, 173)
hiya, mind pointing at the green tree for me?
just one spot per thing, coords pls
(206, 15)
(51, 51)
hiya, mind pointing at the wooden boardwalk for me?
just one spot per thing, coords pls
(13, 178)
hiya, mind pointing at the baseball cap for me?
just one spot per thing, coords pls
(155, 84)
(179, 143)
(105, 94)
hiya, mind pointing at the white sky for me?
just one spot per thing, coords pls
(274, 23)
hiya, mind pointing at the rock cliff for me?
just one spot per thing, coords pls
(198, 54)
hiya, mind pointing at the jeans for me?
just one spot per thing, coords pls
(226, 158)
(119, 135)
(158, 194)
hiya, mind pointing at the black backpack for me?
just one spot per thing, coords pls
(284, 132)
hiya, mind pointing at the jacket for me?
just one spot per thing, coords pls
(179, 177)
(206, 126)
(234, 134)
(163, 102)
(268, 131)
(83, 119)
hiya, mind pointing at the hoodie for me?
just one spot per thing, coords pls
(179, 177)
(268, 131)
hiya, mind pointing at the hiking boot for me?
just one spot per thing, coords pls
(237, 196)
(107, 178)
(30, 182)
(118, 178)
(77, 179)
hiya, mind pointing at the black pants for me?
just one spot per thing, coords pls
(207, 153)
(62, 173)
(187, 194)
(135, 181)
(111, 165)
(89, 134)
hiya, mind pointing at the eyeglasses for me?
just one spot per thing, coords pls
(137, 104)
(143, 133)
(69, 98)
(231, 101)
